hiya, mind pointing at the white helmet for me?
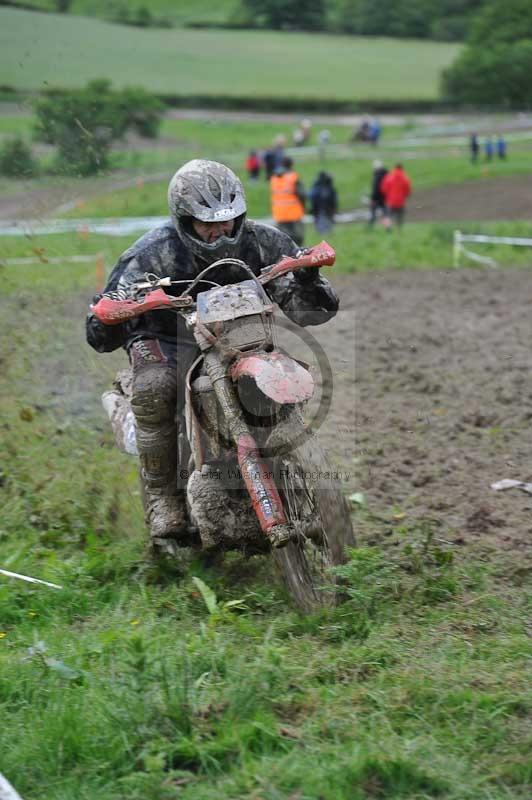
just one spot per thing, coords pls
(209, 192)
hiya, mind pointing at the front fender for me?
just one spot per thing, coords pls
(279, 377)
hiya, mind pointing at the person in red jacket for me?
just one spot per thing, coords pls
(396, 187)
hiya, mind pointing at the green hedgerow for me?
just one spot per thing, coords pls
(16, 159)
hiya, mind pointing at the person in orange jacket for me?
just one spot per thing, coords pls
(396, 187)
(288, 201)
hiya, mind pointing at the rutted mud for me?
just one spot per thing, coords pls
(442, 403)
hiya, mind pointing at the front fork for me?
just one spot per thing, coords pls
(259, 483)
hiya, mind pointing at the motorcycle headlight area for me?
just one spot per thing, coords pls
(239, 313)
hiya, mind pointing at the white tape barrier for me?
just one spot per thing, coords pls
(459, 249)
(6, 790)
(47, 260)
(124, 226)
(113, 227)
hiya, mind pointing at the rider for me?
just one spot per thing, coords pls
(208, 222)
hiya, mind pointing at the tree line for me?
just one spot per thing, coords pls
(495, 68)
(445, 20)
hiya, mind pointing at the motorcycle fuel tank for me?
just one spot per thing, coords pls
(279, 377)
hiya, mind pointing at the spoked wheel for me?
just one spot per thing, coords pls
(314, 505)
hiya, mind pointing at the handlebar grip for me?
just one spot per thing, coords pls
(113, 312)
(321, 255)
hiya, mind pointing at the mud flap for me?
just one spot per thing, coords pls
(122, 421)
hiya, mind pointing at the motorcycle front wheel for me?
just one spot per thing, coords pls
(316, 508)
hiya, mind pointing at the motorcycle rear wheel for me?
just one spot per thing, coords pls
(315, 506)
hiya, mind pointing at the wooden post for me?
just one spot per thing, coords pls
(100, 273)
(457, 246)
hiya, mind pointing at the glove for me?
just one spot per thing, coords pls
(119, 294)
(307, 275)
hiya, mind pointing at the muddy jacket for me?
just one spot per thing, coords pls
(305, 297)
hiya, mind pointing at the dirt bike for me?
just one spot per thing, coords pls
(256, 478)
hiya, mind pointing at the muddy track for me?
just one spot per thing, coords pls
(430, 402)
(487, 199)
(442, 400)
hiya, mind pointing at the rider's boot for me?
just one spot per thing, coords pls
(165, 507)
(153, 402)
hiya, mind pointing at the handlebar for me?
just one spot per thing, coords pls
(113, 312)
(321, 255)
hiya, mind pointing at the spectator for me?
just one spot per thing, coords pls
(288, 201)
(488, 149)
(301, 134)
(396, 187)
(474, 147)
(362, 134)
(253, 165)
(298, 137)
(501, 147)
(268, 159)
(377, 201)
(279, 144)
(306, 126)
(273, 157)
(375, 131)
(323, 202)
(324, 137)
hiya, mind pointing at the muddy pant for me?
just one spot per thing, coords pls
(158, 396)
(397, 216)
(375, 206)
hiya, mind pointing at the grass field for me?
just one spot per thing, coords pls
(419, 246)
(124, 685)
(40, 50)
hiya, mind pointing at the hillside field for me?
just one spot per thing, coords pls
(183, 11)
(45, 50)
